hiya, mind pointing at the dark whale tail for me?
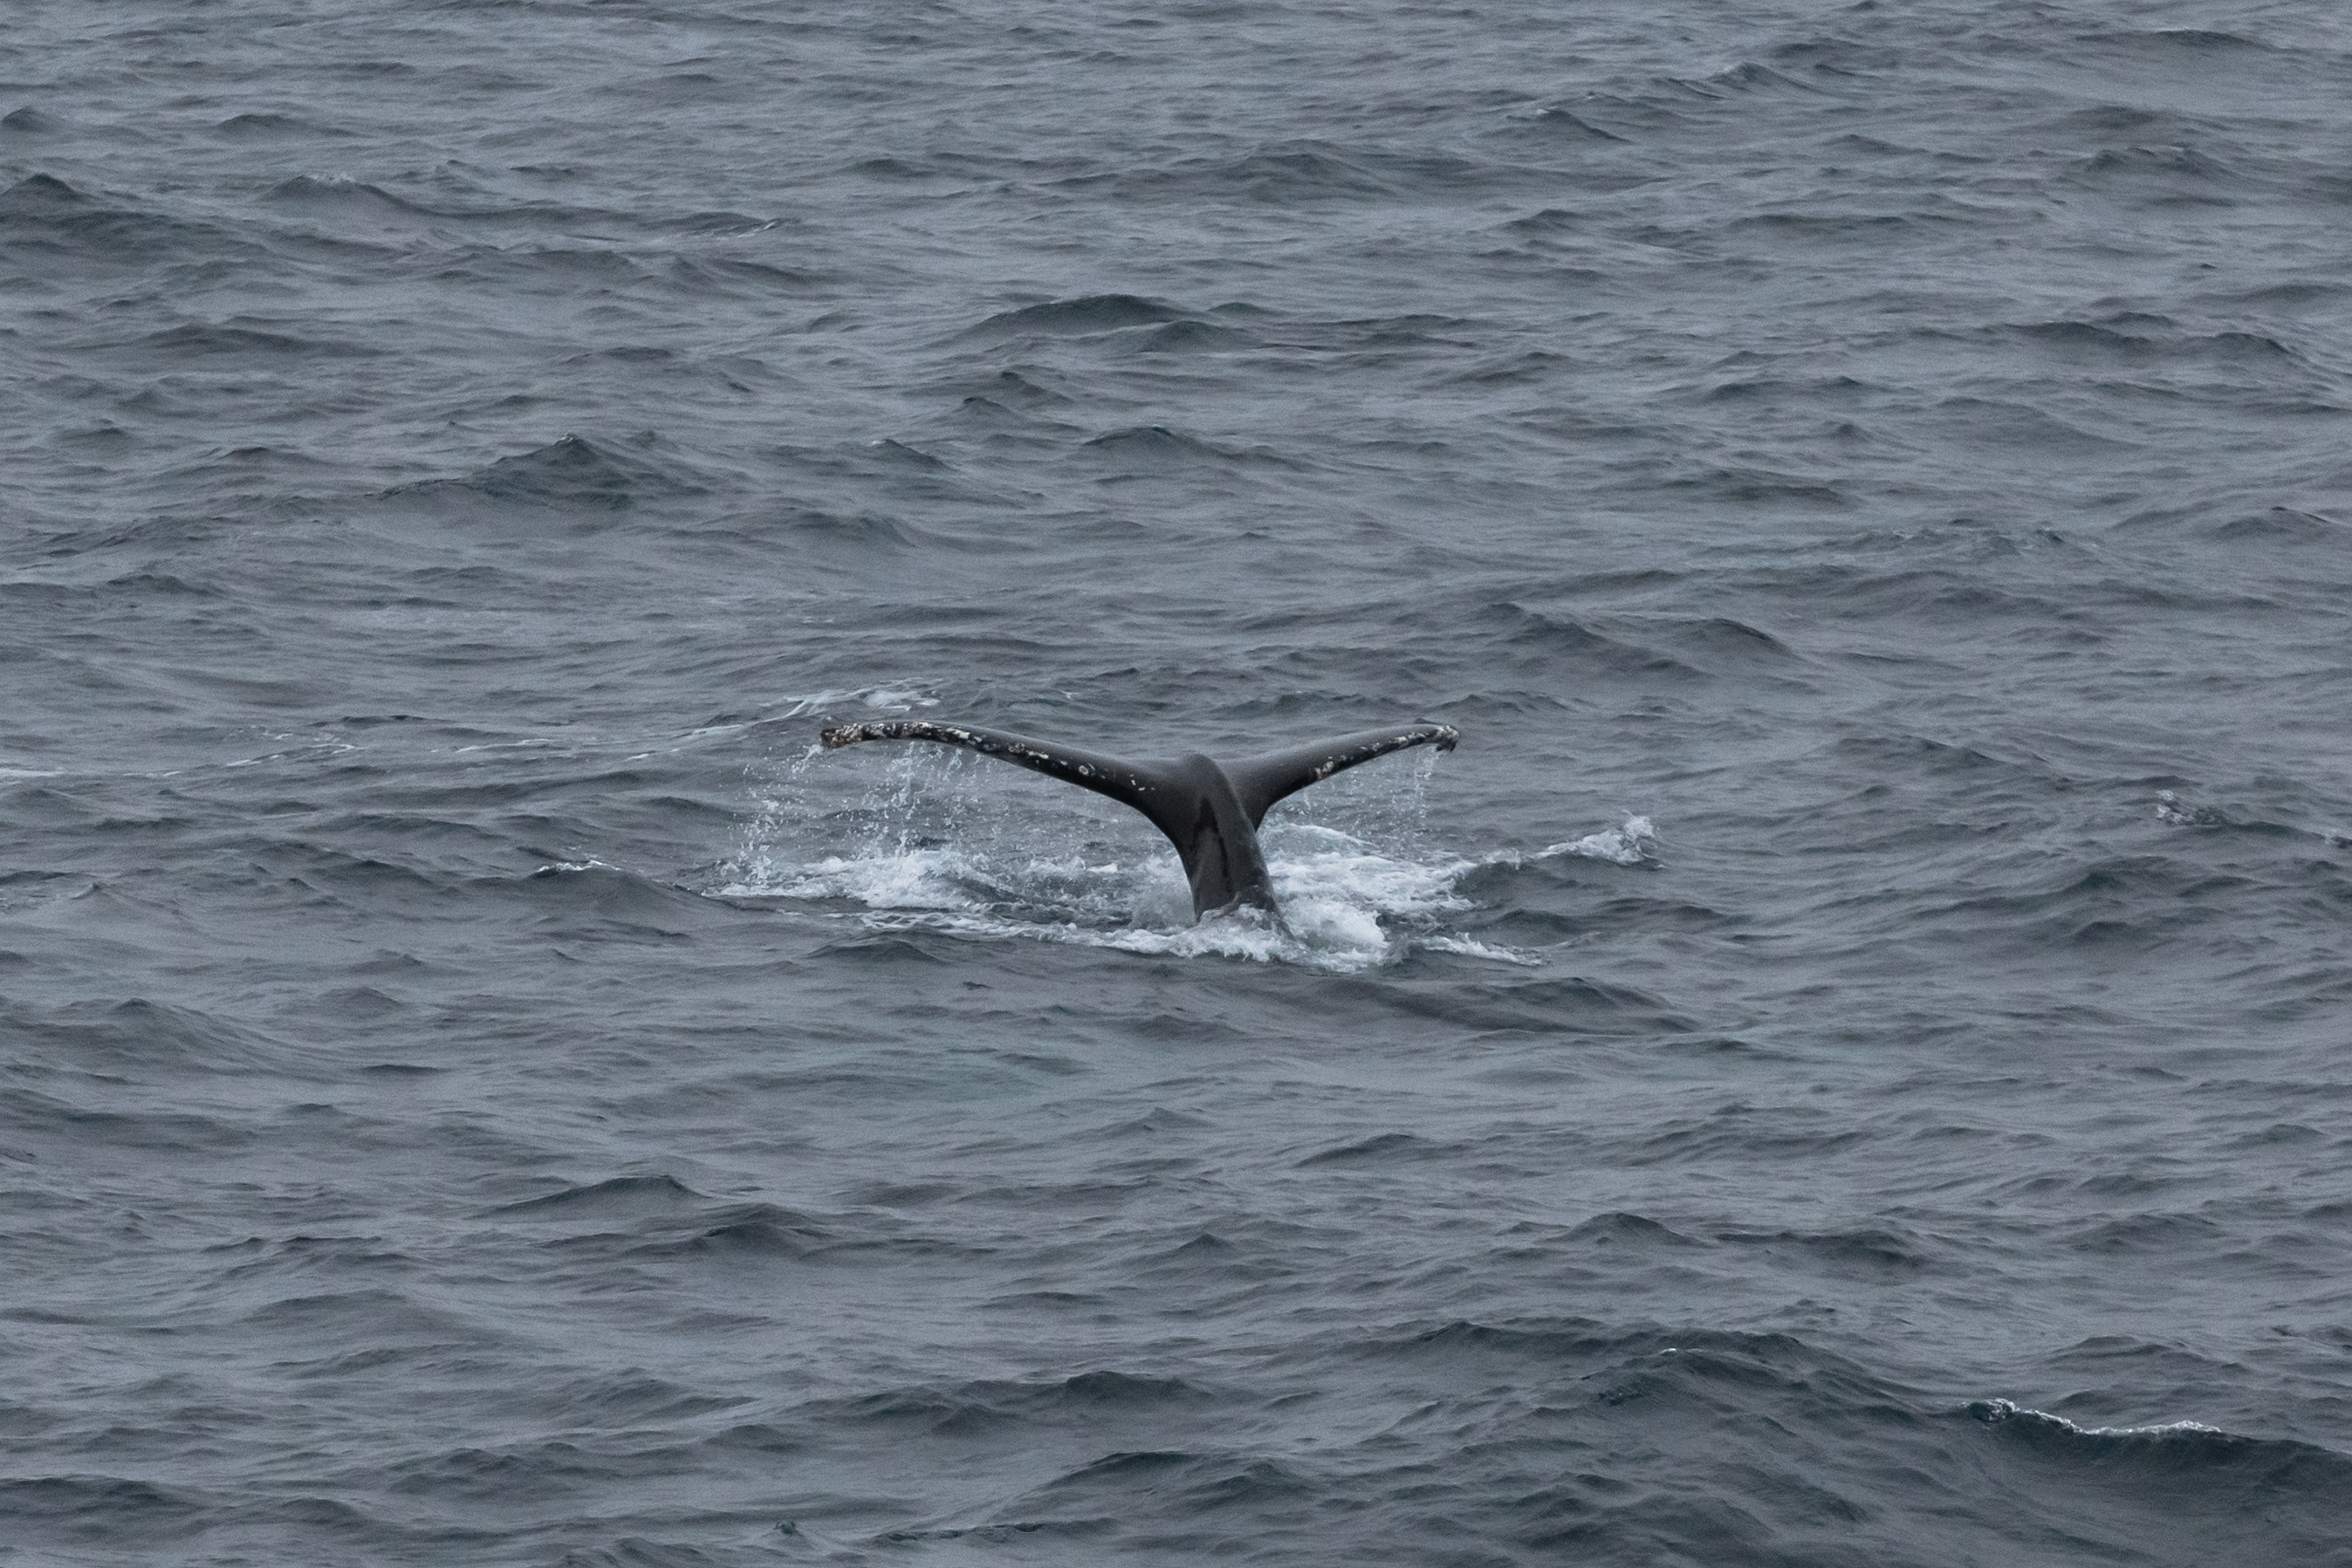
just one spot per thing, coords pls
(1211, 813)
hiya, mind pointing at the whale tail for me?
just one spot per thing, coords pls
(1277, 775)
(1210, 812)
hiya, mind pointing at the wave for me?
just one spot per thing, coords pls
(619, 1196)
(739, 278)
(266, 126)
(1156, 449)
(1190, 338)
(1291, 173)
(1567, 1435)
(2153, 340)
(44, 221)
(129, 1506)
(1563, 122)
(2283, 526)
(245, 339)
(573, 474)
(343, 190)
(1085, 316)
(1639, 648)
(1746, 77)
(2197, 42)
(140, 1039)
(2172, 1454)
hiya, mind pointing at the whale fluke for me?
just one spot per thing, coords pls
(1211, 813)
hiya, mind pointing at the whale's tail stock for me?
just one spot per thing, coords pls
(1210, 812)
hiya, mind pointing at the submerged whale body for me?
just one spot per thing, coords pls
(1210, 811)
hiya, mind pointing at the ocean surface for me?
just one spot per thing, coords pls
(1849, 1065)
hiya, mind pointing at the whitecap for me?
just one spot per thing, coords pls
(1621, 845)
(2008, 1410)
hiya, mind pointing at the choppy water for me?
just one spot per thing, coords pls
(1846, 1064)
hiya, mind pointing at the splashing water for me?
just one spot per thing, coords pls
(935, 844)
(1621, 845)
(1339, 899)
(872, 699)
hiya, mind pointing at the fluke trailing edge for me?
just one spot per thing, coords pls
(1210, 812)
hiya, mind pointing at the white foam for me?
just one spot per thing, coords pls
(2004, 1410)
(1470, 947)
(1340, 900)
(924, 879)
(315, 751)
(1619, 845)
(529, 743)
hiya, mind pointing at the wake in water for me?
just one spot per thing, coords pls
(933, 847)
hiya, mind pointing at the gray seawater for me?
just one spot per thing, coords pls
(1845, 1065)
